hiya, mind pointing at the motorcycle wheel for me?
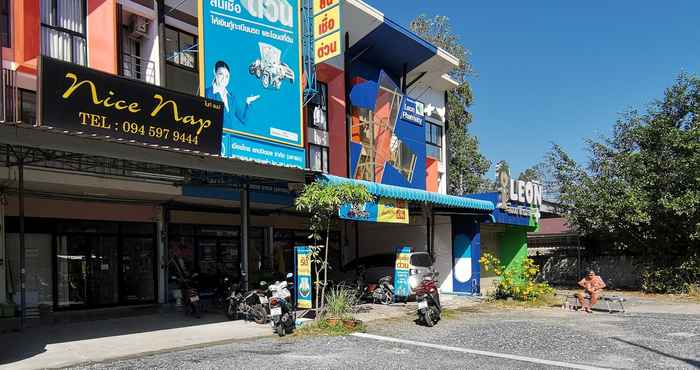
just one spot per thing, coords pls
(266, 80)
(387, 299)
(232, 311)
(259, 314)
(428, 317)
(280, 330)
(436, 314)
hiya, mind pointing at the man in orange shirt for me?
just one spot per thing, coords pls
(592, 285)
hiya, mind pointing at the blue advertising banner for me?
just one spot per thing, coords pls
(303, 276)
(383, 210)
(250, 60)
(401, 269)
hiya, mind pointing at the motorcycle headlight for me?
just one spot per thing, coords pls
(413, 282)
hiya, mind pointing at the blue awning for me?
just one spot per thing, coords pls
(413, 195)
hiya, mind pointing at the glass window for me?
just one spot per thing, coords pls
(180, 48)
(318, 158)
(317, 109)
(63, 30)
(5, 29)
(27, 106)
(433, 134)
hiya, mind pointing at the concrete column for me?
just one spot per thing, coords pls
(245, 203)
(3, 257)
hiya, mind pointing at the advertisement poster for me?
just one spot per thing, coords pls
(303, 262)
(401, 269)
(250, 61)
(83, 100)
(384, 210)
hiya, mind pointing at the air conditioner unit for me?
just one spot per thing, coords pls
(138, 27)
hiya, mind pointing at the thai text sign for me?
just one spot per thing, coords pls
(303, 262)
(83, 100)
(384, 210)
(250, 61)
(401, 270)
(327, 25)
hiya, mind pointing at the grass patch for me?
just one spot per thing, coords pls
(541, 302)
(323, 328)
(694, 292)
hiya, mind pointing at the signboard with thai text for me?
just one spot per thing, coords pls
(385, 210)
(303, 277)
(401, 271)
(327, 30)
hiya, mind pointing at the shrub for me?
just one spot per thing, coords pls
(518, 284)
(340, 303)
(674, 279)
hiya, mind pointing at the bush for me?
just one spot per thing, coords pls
(517, 284)
(674, 279)
(340, 303)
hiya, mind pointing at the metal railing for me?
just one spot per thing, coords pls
(9, 97)
(138, 68)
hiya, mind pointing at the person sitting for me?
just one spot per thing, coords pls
(592, 285)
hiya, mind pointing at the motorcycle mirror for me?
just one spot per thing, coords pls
(225, 279)
(290, 275)
(263, 283)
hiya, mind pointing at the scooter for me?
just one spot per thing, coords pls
(282, 312)
(384, 292)
(190, 295)
(428, 298)
(250, 304)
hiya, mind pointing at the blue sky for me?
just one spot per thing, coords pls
(562, 71)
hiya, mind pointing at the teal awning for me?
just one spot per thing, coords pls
(413, 195)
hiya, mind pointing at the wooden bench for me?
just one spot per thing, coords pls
(608, 299)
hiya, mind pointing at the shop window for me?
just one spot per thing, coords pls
(433, 139)
(317, 109)
(5, 29)
(181, 61)
(318, 158)
(39, 274)
(27, 101)
(63, 30)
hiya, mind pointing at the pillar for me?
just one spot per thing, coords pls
(245, 218)
(466, 249)
(162, 253)
(3, 257)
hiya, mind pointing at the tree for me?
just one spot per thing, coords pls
(323, 201)
(467, 165)
(640, 188)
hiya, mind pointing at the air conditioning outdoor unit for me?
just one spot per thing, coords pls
(138, 27)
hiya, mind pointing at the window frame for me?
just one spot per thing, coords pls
(22, 92)
(310, 107)
(430, 139)
(71, 33)
(5, 18)
(325, 158)
(179, 45)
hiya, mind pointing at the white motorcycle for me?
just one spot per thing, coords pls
(282, 312)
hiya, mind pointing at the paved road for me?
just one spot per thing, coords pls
(483, 339)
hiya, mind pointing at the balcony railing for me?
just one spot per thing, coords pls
(9, 97)
(138, 68)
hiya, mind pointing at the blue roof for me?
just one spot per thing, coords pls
(413, 195)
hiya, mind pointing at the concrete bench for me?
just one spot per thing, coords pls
(608, 299)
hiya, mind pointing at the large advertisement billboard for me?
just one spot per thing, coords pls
(78, 99)
(250, 60)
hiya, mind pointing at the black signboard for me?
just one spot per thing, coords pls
(80, 99)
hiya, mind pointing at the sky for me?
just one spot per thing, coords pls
(562, 71)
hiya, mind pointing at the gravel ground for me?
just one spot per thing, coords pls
(633, 341)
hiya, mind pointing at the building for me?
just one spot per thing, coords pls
(99, 220)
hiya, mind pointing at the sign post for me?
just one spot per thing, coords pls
(303, 277)
(401, 270)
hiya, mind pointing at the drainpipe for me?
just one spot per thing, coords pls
(245, 204)
(348, 107)
(3, 259)
(22, 259)
(160, 4)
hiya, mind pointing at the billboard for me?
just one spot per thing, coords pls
(82, 100)
(386, 210)
(250, 60)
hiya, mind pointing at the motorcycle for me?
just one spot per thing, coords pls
(250, 304)
(190, 295)
(282, 312)
(384, 292)
(428, 298)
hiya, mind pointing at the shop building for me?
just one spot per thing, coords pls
(101, 219)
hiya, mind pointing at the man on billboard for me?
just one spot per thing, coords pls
(219, 91)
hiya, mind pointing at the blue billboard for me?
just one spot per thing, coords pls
(250, 60)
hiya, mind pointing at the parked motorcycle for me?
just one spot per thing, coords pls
(428, 298)
(282, 312)
(384, 292)
(190, 295)
(248, 305)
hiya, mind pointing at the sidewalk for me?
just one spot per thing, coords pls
(95, 341)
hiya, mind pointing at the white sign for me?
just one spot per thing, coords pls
(517, 196)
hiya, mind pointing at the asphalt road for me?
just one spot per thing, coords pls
(482, 338)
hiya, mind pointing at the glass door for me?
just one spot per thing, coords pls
(138, 283)
(71, 265)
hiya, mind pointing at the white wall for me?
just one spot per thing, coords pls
(442, 239)
(434, 100)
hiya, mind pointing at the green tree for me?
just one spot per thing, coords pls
(640, 188)
(322, 201)
(466, 164)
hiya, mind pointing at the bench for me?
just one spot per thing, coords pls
(608, 299)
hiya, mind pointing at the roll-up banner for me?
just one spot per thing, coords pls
(250, 61)
(81, 100)
(303, 277)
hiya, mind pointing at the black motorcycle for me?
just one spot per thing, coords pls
(384, 292)
(250, 305)
(190, 295)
